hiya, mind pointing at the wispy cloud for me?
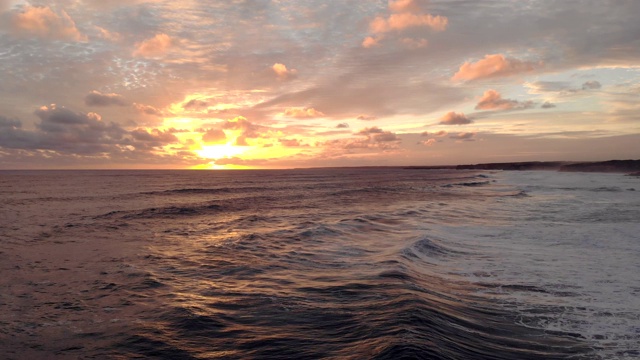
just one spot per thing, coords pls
(43, 22)
(153, 47)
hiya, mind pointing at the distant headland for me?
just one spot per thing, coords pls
(632, 167)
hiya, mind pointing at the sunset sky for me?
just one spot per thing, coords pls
(306, 83)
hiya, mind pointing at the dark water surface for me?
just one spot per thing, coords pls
(326, 263)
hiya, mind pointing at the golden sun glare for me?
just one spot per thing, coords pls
(221, 151)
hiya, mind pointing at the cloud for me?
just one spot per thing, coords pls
(63, 130)
(234, 160)
(66, 132)
(291, 143)
(103, 5)
(283, 73)
(147, 109)
(214, 136)
(368, 93)
(371, 138)
(562, 88)
(492, 100)
(440, 133)
(591, 85)
(428, 142)
(370, 130)
(366, 117)
(342, 126)
(466, 136)
(453, 118)
(96, 98)
(402, 21)
(375, 134)
(195, 104)
(6, 123)
(44, 23)
(305, 113)
(547, 105)
(153, 47)
(108, 35)
(414, 43)
(4, 5)
(370, 41)
(403, 5)
(622, 104)
(154, 137)
(496, 65)
(539, 87)
(241, 141)
(404, 15)
(244, 128)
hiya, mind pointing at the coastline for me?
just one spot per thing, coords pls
(631, 167)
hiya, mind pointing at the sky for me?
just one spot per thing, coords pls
(88, 84)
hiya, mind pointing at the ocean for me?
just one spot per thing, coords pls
(378, 263)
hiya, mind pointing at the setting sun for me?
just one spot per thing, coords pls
(221, 151)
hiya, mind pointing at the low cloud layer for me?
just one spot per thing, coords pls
(83, 134)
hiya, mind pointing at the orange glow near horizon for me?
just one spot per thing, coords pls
(221, 151)
(213, 166)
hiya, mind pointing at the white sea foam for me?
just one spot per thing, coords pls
(566, 257)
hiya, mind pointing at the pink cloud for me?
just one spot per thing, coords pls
(403, 15)
(492, 100)
(216, 136)
(403, 5)
(282, 72)
(370, 41)
(241, 141)
(147, 109)
(291, 143)
(376, 135)
(428, 142)
(496, 65)
(454, 118)
(44, 23)
(402, 21)
(370, 130)
(466, 136)
(303, 113)
(108, 35)
(153, 47)
(367, 138)
(366, 117)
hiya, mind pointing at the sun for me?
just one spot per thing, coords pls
(221, 151)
